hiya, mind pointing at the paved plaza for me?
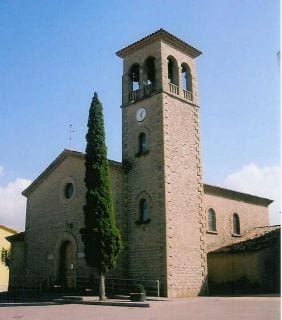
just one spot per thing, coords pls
(199, 308)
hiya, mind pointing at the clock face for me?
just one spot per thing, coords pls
(141, 114)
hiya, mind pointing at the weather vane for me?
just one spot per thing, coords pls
(70, 132)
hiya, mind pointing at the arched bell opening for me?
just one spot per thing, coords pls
(173, 75)
(186, 81)
(134, 82)
(149, 72)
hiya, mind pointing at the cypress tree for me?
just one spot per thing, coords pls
(101, 238)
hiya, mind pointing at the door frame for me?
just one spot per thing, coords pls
(67, 237)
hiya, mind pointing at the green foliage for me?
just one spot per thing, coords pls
(100, 236)
(5, 257)
(138, 288)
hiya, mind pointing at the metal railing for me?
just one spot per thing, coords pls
(114, 286)
(118, 286)
(134, 95)
(149, 89)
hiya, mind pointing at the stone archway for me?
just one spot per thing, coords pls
(66, 264)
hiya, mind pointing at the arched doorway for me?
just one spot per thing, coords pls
(66, 265)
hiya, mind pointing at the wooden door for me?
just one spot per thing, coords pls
(66, 268)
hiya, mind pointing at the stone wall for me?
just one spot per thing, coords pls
(185, 251)
(251, 215)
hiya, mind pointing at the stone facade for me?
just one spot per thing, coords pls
(159, 198)
(252, 211)
(52, 219)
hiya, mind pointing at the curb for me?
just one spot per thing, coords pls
(78, 300)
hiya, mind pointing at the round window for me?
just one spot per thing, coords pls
(69, 190)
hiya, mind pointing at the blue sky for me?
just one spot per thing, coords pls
(55, 54)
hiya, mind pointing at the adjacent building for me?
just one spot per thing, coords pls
(5, 256)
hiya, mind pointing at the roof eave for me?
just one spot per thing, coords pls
(237, 245)
(236, 194)
(16, 237)
(159, 34)
(55, 163)
(51, 167)
(8, 229)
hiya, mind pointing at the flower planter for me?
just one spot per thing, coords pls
(138, 297)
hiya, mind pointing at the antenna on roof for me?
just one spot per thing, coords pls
(70, 132)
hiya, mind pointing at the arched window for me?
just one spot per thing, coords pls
(186, 78)
(172, 70)
(143, 211)
(211, 220)
(142, 143)
(134, 76)
(150, 71)
(236, 224)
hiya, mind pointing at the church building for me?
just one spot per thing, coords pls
(169, 219)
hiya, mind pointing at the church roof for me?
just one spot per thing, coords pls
(66, 153)
(236, 195)
(160, 34)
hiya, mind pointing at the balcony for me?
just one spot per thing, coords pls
(187, 95)
(134, 95)
(138, 94)
(149, 89)
(173, 88)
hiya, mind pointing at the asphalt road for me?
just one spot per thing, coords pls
(199, 308)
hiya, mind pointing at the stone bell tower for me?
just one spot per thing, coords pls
(161, 149)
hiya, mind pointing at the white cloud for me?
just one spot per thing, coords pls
(13, 204)
(261, 181)
(1, 171)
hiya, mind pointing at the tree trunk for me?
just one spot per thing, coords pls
(102, 293)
